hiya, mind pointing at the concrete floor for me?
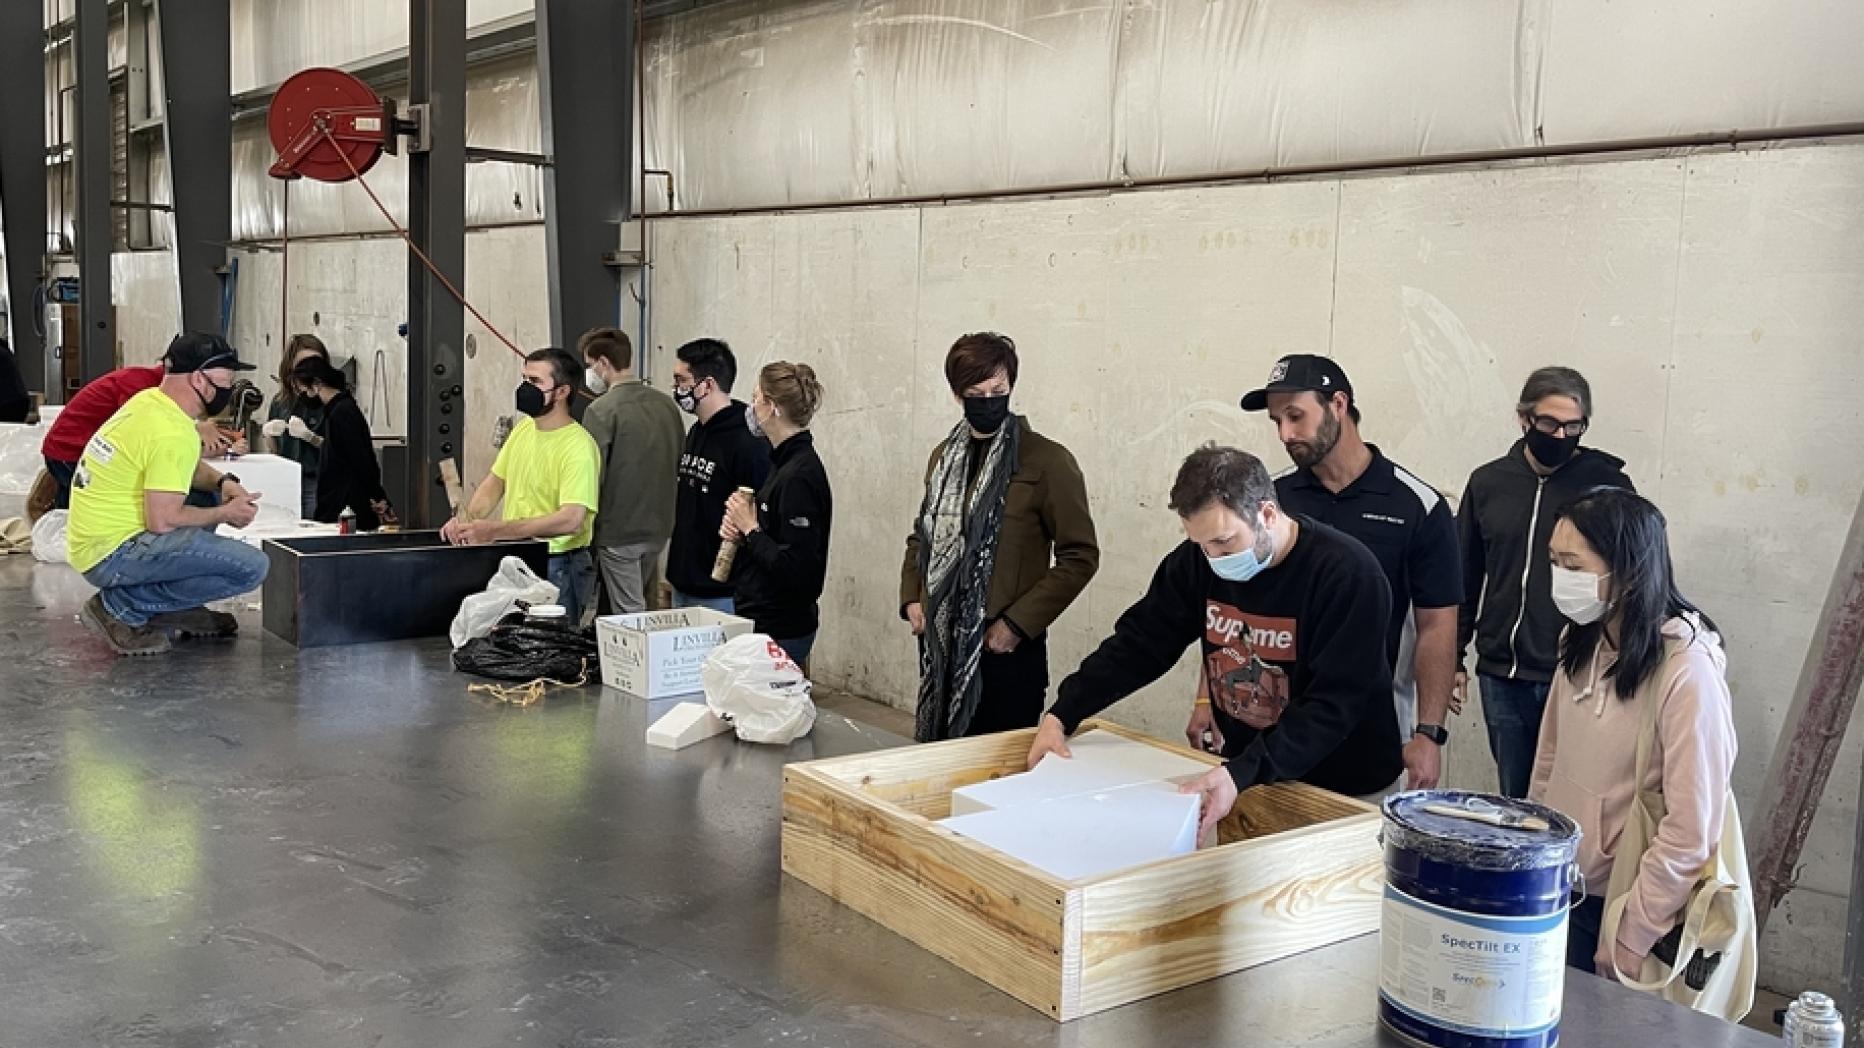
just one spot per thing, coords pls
(241, 844)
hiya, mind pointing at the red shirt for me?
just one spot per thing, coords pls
(92, 407)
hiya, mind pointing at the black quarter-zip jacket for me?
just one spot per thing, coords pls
(1504, 523)
(780, 572)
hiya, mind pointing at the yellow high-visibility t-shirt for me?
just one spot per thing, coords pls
(543, 472)
(150, 444)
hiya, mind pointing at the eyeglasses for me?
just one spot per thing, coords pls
(1554, 427)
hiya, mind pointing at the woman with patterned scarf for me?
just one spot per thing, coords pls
(1002, 544)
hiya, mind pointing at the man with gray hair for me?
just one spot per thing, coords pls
(1290, 616)
(1505, 521)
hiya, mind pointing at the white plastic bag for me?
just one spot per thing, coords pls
(48, 537)
(514, 582)
(751, 682)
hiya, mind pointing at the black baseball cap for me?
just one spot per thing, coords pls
(198, 351)
(1300, 373)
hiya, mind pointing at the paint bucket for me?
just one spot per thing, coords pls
(1472, 936)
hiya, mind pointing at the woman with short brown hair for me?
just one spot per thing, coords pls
(1002, 544)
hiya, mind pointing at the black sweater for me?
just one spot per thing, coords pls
(780, 571)
(1505, 521)
(1307, 634)
(721, 456)
(348, 473)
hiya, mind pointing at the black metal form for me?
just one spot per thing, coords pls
(357, 589)
(96, 229)
(196, 83)
(22, 180)
(437, 224)
(585, 62)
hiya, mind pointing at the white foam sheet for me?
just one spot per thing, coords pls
(1090, 834)
(1101, 761)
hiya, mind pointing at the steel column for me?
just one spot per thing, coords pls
(585, 64)
(22, 180)
(437, 222)
(197, 123)
(96, 233)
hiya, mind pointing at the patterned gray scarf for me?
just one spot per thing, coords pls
(957, 550)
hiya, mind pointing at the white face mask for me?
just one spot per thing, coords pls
(594, 380)
(1576, 594)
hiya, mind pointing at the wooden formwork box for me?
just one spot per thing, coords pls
(1295, 867)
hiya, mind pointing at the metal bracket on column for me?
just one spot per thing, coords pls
(437, 224)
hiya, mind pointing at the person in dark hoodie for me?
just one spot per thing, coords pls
(721, 456)
(1505, 521)
(1291, 618)
(780, 570)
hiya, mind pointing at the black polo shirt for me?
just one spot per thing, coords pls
(1404, 522)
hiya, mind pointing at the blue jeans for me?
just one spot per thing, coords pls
(727, 605)
(1513, 710)
(1584, 925)
(573, 574)
(798, 649)
(151, 574)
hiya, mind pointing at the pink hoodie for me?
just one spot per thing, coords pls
(1588, 755)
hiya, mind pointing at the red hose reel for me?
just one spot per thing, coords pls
(329, 126)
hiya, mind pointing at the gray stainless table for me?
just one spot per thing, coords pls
(246, 844)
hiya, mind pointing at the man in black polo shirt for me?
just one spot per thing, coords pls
(1342, 481)
(1291, 617)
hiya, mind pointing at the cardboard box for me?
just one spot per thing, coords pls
(1294, 867)
(659, 653)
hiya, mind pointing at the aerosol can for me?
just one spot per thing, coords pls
(1813, 1022)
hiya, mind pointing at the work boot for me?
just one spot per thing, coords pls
(121, 636)
(195, 622)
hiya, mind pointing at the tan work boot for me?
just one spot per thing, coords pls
(121, 636)
(195, 622)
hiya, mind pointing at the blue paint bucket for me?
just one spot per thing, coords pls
(1472, 935)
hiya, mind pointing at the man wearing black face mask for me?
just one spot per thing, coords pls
(1003, 542)
(155, 560)
(548, 474)
(1505, 521)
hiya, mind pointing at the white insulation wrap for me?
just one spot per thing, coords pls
(756, 103)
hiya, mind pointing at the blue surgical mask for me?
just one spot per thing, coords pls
(1241, 567)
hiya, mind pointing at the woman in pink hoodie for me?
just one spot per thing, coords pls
(1632, 636)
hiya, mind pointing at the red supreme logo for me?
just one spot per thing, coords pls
(1271, 638)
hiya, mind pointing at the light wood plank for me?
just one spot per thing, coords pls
(1184, 920)
(996, 918)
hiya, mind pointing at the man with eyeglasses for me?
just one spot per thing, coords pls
(1505, 521)
(721, 455)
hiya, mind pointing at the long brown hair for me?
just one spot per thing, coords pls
(298, 344)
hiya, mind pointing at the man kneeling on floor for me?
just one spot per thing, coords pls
(1291, 618)
(154, 560)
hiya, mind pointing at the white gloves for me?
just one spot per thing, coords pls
(274, 428)
(298, 429)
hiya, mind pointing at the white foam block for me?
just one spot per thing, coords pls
(685, 724)
(1101, 761)
(1090, 834)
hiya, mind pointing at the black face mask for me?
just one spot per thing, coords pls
(222, 396)
(531, 400)
(1549, 450)
(987, 414)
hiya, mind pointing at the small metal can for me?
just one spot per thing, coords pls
(346, 522)
(1813, 1022)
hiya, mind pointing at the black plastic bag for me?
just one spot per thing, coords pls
(521, 650)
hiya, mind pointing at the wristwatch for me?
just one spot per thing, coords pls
(224, 477)
(1434, 732)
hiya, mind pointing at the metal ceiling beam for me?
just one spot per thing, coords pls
(22, 181)
(436, 222)
(585, 70)
(197, 76)
(96, 231)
